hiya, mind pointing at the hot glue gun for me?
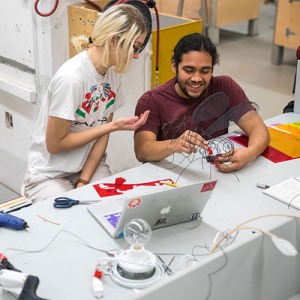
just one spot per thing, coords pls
(9, 221)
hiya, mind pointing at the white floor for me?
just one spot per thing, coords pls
(248, 61)
(295, 297)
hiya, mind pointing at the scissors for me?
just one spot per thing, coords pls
(65, 202)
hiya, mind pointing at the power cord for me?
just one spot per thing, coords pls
(284, 246)
(36, 3)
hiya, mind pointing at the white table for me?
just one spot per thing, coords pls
(251, 268)
(65, 265)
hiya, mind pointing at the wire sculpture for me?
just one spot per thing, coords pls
(210, 119)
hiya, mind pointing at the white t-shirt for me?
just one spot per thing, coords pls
(77, 92)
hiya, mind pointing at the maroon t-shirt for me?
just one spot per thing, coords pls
(209, 114)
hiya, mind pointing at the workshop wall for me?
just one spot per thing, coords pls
(32, 49)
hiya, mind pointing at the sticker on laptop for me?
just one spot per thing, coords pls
(208, 186)
(113, 218)
(134, 202)
(164, 215)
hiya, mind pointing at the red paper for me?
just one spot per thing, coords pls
(270, 153)
(119, 186)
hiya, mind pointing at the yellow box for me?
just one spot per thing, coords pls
(82, 17)
(170, 33)
(286, 138)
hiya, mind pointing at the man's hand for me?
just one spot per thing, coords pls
(237, 159)
(188, 142)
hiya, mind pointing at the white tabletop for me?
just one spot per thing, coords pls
(65, 264)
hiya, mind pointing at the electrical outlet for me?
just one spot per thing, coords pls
(9, 120)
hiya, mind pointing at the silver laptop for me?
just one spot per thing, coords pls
(165, 207)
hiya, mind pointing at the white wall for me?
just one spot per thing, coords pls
(138, 80)
(297, 89)
(32, 49)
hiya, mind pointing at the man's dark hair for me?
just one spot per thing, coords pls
(195, 42)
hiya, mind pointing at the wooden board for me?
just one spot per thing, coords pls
(219, 12)
(190, 8)
(235, 11)
(81, 20)
(287, 29)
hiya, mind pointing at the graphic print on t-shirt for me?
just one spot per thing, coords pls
(94, 97)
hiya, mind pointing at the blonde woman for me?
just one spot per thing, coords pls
(76, 115)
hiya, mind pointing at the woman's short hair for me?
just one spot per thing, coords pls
(122, 22)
